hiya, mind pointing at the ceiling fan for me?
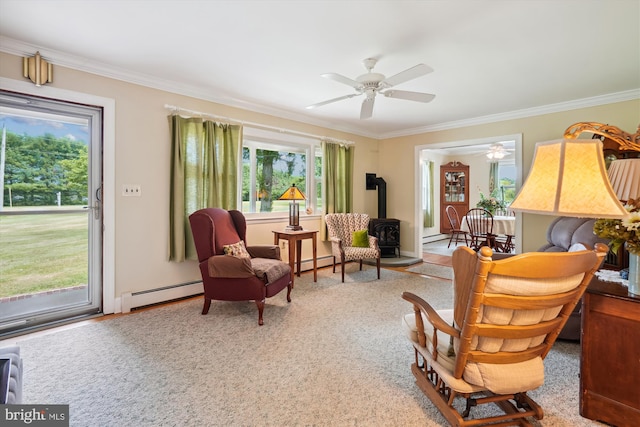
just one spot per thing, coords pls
(370, 84)
(497, 151)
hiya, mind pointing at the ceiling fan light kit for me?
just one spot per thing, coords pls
(370, 84)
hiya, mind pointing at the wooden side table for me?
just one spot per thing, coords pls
(295, 238)
(610, 366)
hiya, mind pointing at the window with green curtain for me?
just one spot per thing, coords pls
(337, 179)
(204, 173)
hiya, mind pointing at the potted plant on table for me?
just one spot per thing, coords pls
(625, 231)
(490, 204)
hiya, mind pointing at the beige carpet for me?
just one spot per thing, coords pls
(433, 270)
(335, 356)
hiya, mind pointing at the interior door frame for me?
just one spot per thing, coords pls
(462, 143)
(108, 171)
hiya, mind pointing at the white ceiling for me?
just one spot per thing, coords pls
(492, 60)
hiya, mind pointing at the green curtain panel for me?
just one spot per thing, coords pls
(493, 177)
(337, 180)
(428, 212)
(204, 173)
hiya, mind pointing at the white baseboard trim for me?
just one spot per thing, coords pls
(130, 300)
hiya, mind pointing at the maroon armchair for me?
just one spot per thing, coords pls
(232, 271)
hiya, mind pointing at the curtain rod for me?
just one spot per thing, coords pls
(176, 109)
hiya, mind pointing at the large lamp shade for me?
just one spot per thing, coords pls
(624, 175)
(569, 178)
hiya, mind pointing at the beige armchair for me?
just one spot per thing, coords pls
(490, 348)
(341, 228)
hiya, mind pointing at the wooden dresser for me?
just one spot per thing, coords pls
(610, 362)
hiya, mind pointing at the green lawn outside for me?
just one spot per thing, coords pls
(42, 252)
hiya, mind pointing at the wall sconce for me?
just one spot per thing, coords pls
(293, 194)
(37, 70)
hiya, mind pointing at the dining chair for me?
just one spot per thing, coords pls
(454, 223)
(480, 225)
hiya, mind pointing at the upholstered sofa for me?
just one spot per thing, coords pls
(11, 379)
(565, 234)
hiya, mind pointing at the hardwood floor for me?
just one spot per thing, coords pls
(438, 252)
(437, 259)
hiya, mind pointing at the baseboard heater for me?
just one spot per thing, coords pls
(132, 300)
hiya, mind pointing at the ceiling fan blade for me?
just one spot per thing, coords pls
(342, 79)
(320, 104)
(411, 96)
(367, 108)
(406, 75)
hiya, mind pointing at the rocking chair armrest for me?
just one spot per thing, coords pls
(264, 251)
(230, 267)
(431, 314)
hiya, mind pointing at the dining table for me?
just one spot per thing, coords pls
(502, 225)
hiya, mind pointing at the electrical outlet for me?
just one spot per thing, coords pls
(132, 190)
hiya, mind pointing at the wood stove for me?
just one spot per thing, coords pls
(387, 230)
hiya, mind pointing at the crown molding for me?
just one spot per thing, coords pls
(19, 48)
(594, 101)
(63, 59)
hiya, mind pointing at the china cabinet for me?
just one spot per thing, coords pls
(454, 191)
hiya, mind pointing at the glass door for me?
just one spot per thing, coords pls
(50, 215)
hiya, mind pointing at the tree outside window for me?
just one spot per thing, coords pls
(269, 169)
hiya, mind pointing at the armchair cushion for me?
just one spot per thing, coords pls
(269, 269)
(360, 239)
(230, 267)
(236, 249)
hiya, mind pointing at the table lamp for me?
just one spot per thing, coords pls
(293, 194)
(624, 175)
(568, 177)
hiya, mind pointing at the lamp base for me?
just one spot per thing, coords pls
(293, 228)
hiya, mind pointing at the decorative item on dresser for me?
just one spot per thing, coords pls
(454, 191)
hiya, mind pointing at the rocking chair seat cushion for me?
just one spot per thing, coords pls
(499, 379)
(506, 378)
(409, 326)
(269, 269)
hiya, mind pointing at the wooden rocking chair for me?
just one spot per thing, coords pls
(490, 348)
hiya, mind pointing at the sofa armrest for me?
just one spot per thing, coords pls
(13, 380)
(230, 267)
